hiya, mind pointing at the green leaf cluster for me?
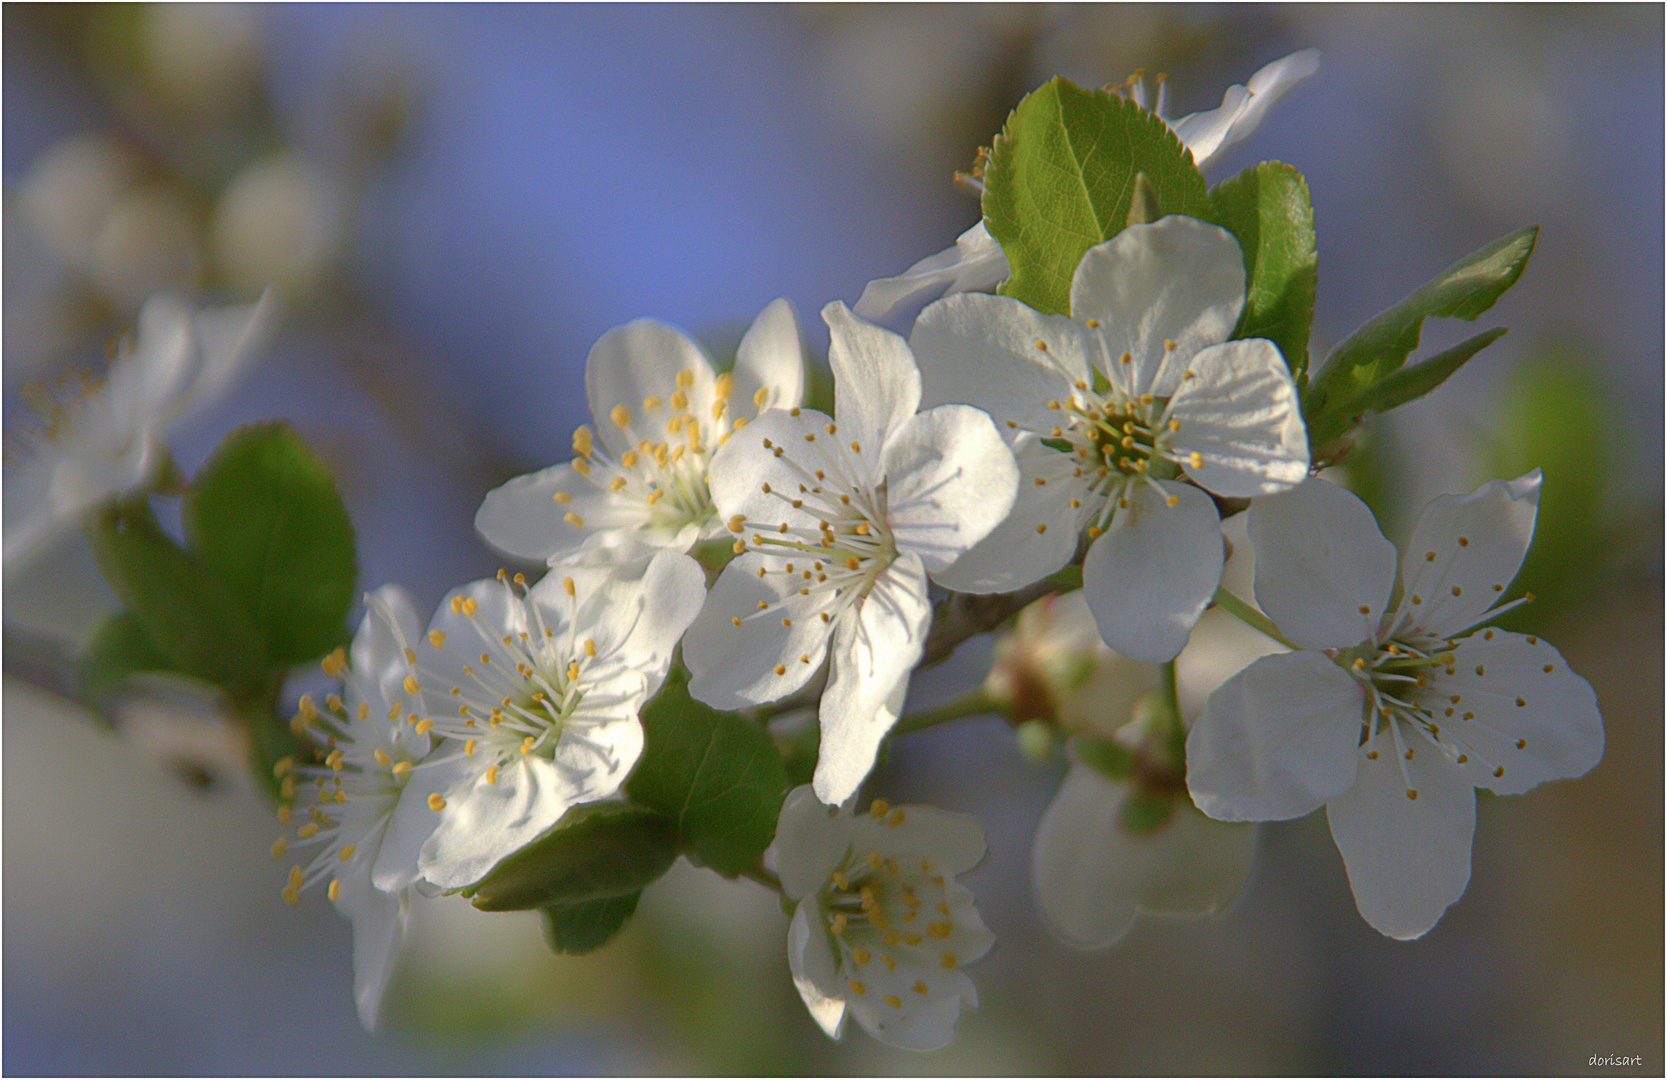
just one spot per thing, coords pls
(263, 582)
(1267, 208)
(1368, 372)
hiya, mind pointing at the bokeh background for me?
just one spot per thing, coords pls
(460, 200)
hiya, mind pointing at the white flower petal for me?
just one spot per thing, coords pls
(812, 965)
(950, 479)
(484, 824)
(732, 666)
(1241, 416)
(1093, 878)
(634, 604)
(633, 363)
(1320, 559)
(1208, 134)
(1534, 724)
(412, 822)
(1276, 741)
(811, 842)
(749, 478)
(523, 520)
(1018, 551)
(981, 350)
(975, 264)
(876, 383)
(1466, 549)
(771, 358)
(1408, 859)
(1176, 280)
(874, 649)
(1149, 578)
(229, 342)
(379, 922)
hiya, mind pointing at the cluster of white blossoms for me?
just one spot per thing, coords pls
(990, 447)
(784, 555)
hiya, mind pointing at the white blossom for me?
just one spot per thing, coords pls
(840, 522)
(107, 439)
(1108, 411)
(660, 415)
(535, 694)
(352, 798)
(977, 263)
(882, 928)
(1385, 714)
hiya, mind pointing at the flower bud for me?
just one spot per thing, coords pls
(282, 221)
(70, 189)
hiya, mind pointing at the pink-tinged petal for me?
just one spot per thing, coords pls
(637, 362)
(750, 478)
(1518, 713)
(875, 646)
(975, 264)
(1093, 877)
(732, 666)
(1276, 741)
(1323, 570)
(1465, 551)
(876, 383)
(950, 479)
(1241, 417)
(771, 358)
(1408, 858)
(1038, 536)
(1149, 578)
(1176, 280)
(984, 351)
(811, 961)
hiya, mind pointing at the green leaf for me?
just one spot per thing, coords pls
(1062, 178)
(1414, 382)
(185, 609)
(716, 775)
(1268, 209)
(118, 648)
(1341, 393)
(576, 929)
(597, 850)
(265, 514)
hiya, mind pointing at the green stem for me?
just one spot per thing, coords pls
(1249, 616)
(970, 704)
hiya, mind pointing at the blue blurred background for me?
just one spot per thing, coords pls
(460, 199)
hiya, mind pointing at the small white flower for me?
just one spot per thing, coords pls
(882, 928)
(1385, 715)
(352, 801)
(536, 693)
(1096, 872)
(845, 520)
(660, 416)
(1107, 410)
(977, 264)
(108, 439)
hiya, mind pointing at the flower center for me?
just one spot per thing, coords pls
(1116, 443)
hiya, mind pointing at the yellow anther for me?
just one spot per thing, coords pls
(278, 847)
(920, 988)
(335, 889)
(346, 853)
(628, 459)
(309, 712)
(948, 959)
(527, 744)
(650, 403)
(620, 415)
(573, 519)
(893, 1000)
(470, 606)
(568, 587)
(581, 466)
(282, 766)
(284, 812)
(879, 809)
(411, 685)
(940, 928)
(874, 861)
(856, 447)
(292, 897)
(892, 938)
(1196, 460)
(307, 831)
(335, 759)
(424, 726)
(1173, 501)
(858, 988)
(861, 956)
(401, 768)
(838, 926)
(382, 757)
(685, 378)
(436, 803)
(581, 442)
(889, 961)
(1095, 532)
(1041, 528)
(912, 940)
(335, 663)
(780, 669)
